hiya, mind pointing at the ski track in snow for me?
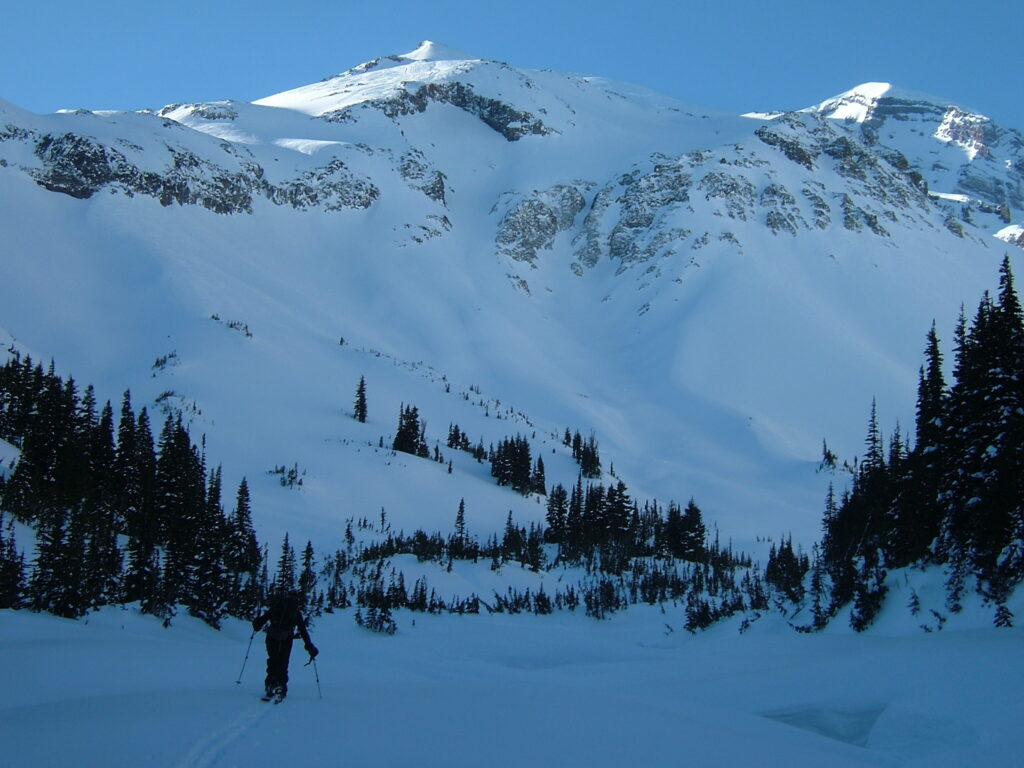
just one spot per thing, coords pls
(206, 752)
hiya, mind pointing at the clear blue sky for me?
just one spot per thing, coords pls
(737, 55)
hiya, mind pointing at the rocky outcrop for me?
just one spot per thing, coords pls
(331, 188)
(820, 210)
(645, 200)
(531, 224)
(217, 110)
(735, 193)
(513, 124)
(789, 146)
(421, 175)
(81, 166)
(783, 214)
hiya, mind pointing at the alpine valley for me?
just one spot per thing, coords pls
(683, 308)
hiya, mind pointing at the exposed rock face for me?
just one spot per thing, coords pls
(531, 224)
(983, 161)
(222, 110)
(736, 193)
(513, 124)
(793, 173)
(820, 210)
(331, 188)
(647, 211)
(783, 214)
(791, 148)
(644, 200)
(415, 169)
(81, 166)
(973, 133)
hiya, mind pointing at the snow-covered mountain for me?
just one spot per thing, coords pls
(511, 251)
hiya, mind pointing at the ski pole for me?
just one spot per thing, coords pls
(316, 672)
(249, 648)
(246, 660)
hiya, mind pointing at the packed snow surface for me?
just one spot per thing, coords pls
(119, 691)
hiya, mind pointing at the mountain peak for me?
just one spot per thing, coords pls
(861, 103)
(430, 51)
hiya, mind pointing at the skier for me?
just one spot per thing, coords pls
(284, 619)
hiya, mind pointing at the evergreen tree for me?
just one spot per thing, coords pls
(684, 533)
(511, 465)
(12, 569)
(143, 579)
(590, 458)
(242, 557)
(786, 570)
(103, 555)
(819, 613)
(459, 542)
(410, 437)
(917, 513)
(179, 504)
(208, 590)
(284, 579)
(538, 482)
(307, 580)
(557, 515)
(359, 409)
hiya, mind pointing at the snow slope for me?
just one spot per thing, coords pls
(711, 294)
(709, 353)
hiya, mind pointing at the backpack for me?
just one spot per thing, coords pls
(284, 616)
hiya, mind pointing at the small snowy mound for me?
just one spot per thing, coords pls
(431, 51)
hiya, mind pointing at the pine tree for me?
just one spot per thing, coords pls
(242, 557)
(819, 614)
(359, 409)
(12, 569)
(179, 504)
(208, 592)
(307, 579)
(410, 437)
(1004, 617)
(103, 556)
(918, 513)
(590, 458)
(693, 534)
(557, 515)
(538, 482)
(1001, 541)
(459, 541)
(143, 579)
(284, 579)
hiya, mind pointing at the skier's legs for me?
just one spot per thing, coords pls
(279, 650)
(286, 653)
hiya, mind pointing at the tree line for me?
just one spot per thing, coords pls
(951, 497)
(118, 515)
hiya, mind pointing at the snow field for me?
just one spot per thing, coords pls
(119, 690)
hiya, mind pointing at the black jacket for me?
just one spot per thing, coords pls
(285, 619)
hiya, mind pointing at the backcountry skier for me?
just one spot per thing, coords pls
(285, 619)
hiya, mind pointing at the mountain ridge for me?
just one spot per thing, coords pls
(539, 209)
